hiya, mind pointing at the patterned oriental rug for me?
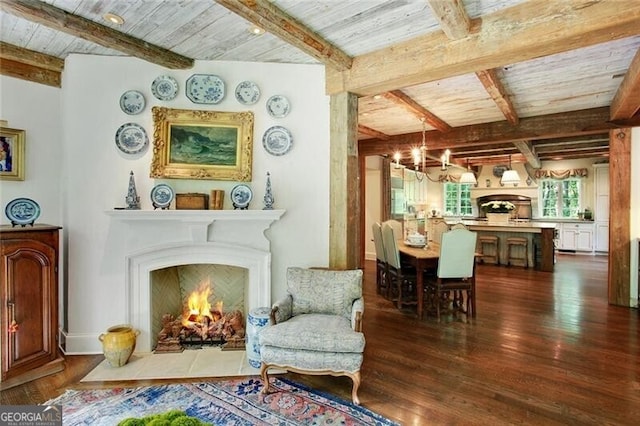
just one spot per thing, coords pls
(230, 402)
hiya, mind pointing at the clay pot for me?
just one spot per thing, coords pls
(118, 343)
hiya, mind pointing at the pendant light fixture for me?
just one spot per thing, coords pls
(510, 176)
(468, 176)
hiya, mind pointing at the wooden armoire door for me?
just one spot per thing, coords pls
(29, 298)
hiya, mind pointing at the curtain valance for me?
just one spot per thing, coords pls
(562, 174)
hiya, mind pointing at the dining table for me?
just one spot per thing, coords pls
(422, 258)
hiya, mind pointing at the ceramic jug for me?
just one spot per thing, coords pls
(118, 343)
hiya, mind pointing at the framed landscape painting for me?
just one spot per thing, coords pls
(190, 144)
(11, 154)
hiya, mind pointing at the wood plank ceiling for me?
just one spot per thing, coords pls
(530, 80)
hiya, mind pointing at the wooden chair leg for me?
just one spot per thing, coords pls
(266, 388)
(356, 384)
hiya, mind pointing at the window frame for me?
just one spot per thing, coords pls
(459, 199)
(560, 201)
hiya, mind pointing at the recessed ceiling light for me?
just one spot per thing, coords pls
(376, 97)
(112, 18)
(256, 30)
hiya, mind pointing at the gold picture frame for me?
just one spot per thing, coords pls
(11, 154)
(191, 144)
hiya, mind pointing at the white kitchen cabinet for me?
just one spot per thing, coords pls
(602, 236)
(576, 236)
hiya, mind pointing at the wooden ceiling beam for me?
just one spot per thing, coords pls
(77, 26)
(575, 123)
(402, 99)
(452, 16)
(529, 152)
(30, 57)
(274, 20)
(602, 137)
(531, 29)
(372, 132)
(626, 102)
(30, 72)
(494, 87)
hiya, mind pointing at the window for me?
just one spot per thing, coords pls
(457, 199)
(560, 198)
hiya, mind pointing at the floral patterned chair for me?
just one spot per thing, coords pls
(317, 327)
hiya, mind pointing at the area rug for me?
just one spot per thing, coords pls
(230, 402)
(205, 362)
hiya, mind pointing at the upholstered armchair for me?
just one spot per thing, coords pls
(317, 327)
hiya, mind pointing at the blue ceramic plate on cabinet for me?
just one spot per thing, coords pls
(22, 211)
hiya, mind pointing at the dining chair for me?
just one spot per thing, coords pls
(402, 278)
(459, 225)
(455, 274)
(439, 228)
(382, 284)
(397, 227)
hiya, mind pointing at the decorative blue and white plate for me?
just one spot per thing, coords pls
(277, 140)
(247, 93)
(164, 88)
(132, 102)
(131, 138)
(162, 195)
(22, 211)
(241, 196)
(278, 106)
(205, 89)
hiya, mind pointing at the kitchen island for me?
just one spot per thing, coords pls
(539, 235)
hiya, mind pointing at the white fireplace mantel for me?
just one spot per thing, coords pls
(195, 215)
(227, 226)
(155, 239)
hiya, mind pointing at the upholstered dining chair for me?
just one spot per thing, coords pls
(456, 272)
(397, 227)
(401, 278)
(317, 327)
(439, 228)
(382, 284)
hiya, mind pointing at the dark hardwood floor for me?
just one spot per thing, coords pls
(545, 348)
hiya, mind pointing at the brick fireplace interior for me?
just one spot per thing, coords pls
(171, 286)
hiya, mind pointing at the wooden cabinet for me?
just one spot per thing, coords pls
(29, 297)
(576, 236)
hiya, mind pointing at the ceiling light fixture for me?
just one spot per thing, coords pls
(468, 176)
(256, 30)
(510, 176)
(112, 18)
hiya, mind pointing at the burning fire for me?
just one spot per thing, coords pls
(198, 309)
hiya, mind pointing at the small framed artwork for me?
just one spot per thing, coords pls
(191, 144)
(11, 154)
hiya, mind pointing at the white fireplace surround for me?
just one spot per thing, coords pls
(161, 239)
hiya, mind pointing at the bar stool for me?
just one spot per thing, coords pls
(513, 242)
(490, 242)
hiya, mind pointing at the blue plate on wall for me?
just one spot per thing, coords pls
(22, 211)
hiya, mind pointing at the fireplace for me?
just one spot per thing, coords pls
(172, 238)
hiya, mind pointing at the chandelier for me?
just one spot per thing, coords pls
(419, 156)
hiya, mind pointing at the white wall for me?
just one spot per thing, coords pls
(97, 173)
(34, 108)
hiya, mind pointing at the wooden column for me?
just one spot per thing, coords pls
(619, 217)
(344, 189)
